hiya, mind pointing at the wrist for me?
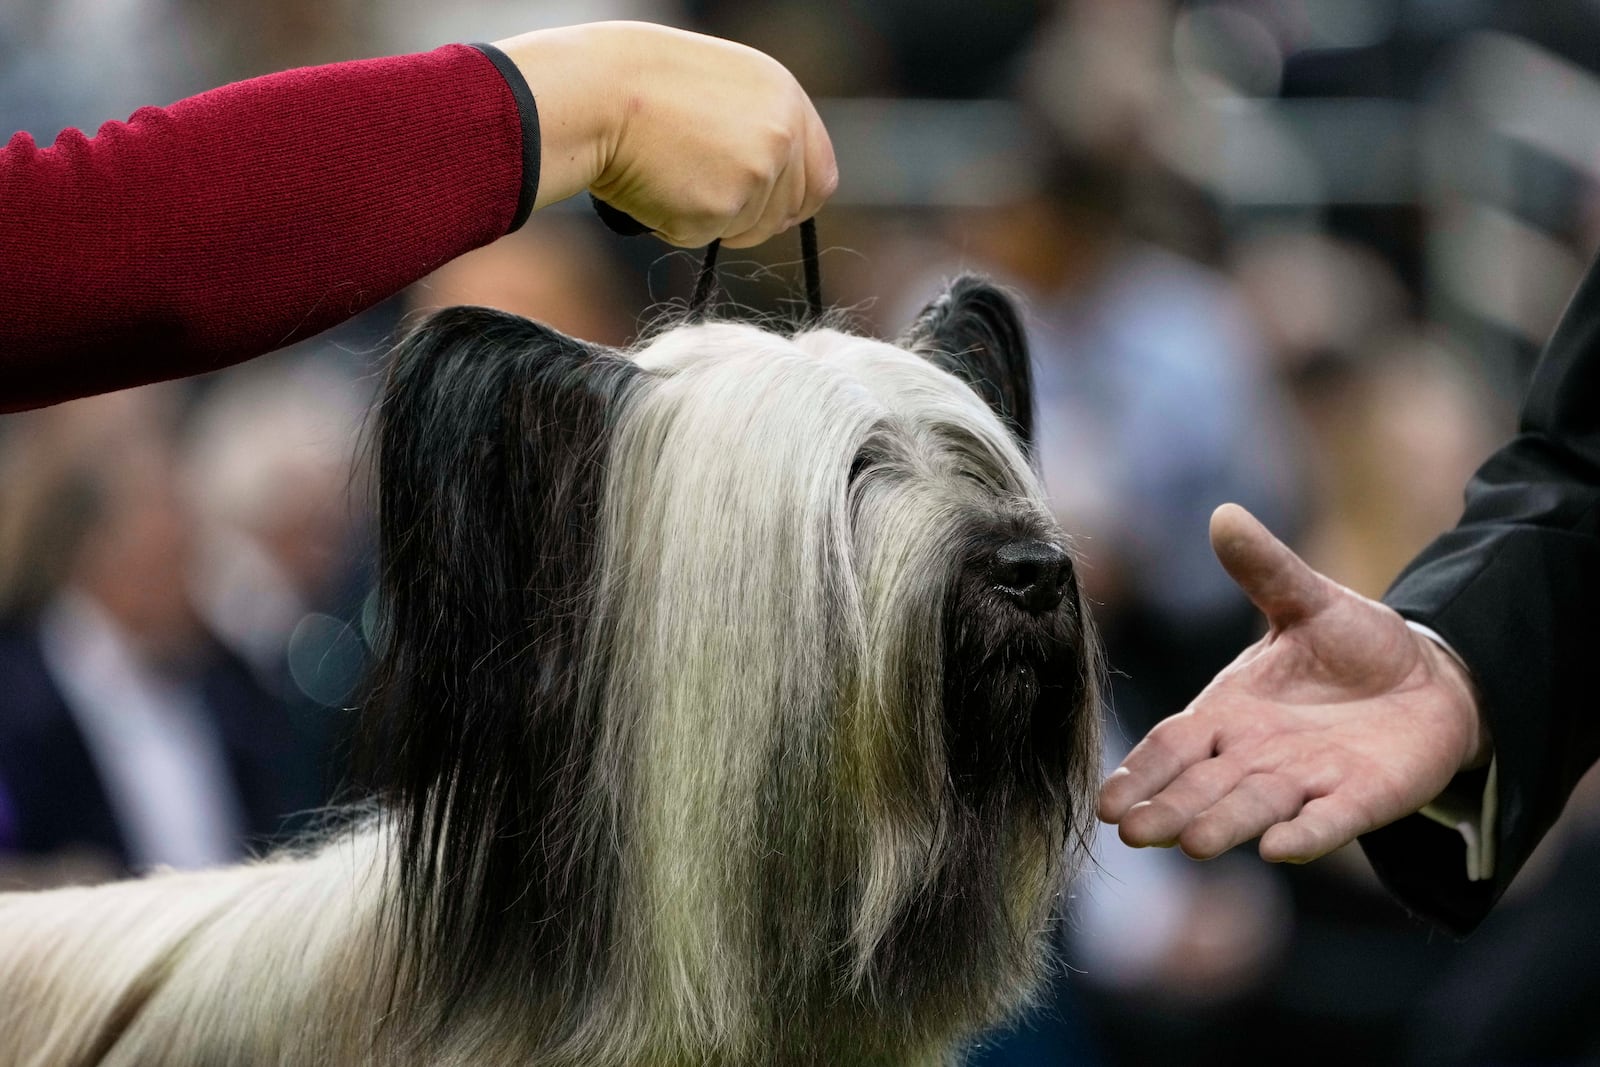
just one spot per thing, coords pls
(1455, 683)
(572, 74)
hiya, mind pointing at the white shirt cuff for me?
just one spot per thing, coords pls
(1471, 817)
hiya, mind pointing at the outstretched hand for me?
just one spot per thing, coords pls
(698, 138)
(1340, 720)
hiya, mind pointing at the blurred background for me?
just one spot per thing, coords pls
(1299, 254)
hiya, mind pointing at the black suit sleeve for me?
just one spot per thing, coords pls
(1512, 589)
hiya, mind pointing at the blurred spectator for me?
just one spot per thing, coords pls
(934, 48)
(554, 269)
(270, 467)
(126, 731)
(1394, 420)
(1410, 430)
(45, 84)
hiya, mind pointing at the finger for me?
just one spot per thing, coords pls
(1165, 817)
(783, 203)
(1276, 580)
(1323, 825)
(1171, 748)
(762, 188)
(1256, 803)
(821, 168)
(701, 228)
(681, 233)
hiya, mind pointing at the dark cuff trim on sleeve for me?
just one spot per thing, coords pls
(529, 113)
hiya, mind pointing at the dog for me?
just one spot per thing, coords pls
(735, 705)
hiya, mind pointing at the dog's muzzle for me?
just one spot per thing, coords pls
(1034, 575)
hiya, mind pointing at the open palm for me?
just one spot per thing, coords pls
(1340, 720)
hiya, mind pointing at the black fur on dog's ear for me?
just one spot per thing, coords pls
(973, 330)
(493, 437)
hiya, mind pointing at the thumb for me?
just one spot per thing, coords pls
(1276, 580)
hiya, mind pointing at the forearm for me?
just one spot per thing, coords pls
(246, 218)
(1515, 601)
(1511, 590)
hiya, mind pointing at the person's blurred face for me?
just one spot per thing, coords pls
(134, 563)
(1038, 242)
(310, 526)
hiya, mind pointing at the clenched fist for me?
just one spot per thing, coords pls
(695, 137)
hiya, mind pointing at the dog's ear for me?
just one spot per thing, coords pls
(973, 330)
(492, 443)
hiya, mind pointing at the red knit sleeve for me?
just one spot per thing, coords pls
(246, 218)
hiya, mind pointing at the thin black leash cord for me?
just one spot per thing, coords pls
(813, 269)
(706, 284)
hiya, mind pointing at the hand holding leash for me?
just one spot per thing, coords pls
(698, 138)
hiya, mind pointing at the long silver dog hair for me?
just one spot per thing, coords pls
(736, 705)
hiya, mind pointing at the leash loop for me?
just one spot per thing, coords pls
(705, 284)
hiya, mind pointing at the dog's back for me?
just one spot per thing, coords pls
(264, 964)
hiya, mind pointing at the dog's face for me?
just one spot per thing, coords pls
(768, 695)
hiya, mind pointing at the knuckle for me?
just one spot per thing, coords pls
(716, 210)
(747, 239)
(1264, 784)
(829, 183)
(684, 236)
(1182, 735)
(1161, 733)
(1323, 776)
(781, 140)
(760, 174)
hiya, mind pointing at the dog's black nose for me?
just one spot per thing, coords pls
(1033, 574)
